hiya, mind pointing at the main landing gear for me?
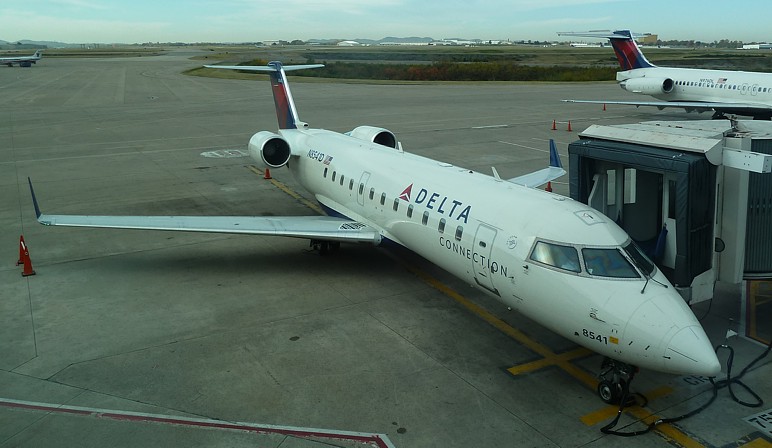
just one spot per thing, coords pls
(615, 378)
(325, 247)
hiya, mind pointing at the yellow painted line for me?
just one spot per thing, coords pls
(580, 352)
(608, 412)
(757, 443)
(313, 206)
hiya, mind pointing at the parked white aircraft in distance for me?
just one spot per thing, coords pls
(720, 91)
(22, 61)
(555, 260)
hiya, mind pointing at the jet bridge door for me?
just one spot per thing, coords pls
(481, 257)
(647, 187)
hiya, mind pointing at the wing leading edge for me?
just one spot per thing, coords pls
(327, 228)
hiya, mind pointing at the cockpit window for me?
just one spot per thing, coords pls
(559, 256)
(639, 258)
(608, 263)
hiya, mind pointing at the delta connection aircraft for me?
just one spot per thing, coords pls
(23, 61)
(555, 260)
(722, 91)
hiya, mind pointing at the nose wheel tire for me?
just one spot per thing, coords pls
(610, 392)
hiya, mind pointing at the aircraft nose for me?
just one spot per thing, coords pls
(690, 352)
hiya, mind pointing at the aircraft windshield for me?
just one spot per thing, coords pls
(639, 258)
(608, 263)
(559, 256)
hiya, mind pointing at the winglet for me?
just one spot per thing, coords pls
(282, 97)
(544, 175)
(34, 200)
(554, 156)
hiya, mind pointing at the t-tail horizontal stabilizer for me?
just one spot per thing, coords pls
(541, 177)
(282, 97)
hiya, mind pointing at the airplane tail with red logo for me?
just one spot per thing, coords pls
(282, 97)
(626, 49)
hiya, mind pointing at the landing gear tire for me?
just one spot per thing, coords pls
(615, 378)
(609, 392)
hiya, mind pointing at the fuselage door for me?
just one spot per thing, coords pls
(362, 187)
(481, 257)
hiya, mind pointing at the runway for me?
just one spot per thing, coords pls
(261, 332)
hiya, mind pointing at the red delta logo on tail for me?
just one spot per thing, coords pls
(628, 54)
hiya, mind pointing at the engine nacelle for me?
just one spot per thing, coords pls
(375, 135)
(269, 150)
(648, 86)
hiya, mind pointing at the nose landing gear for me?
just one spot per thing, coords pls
(615, 378)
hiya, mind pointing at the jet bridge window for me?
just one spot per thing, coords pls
(556, 255)
(608, 263)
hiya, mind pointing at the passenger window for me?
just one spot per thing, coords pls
(325, 173)
(361, 188)
(351, 184)
(425, 218)
(556, 255)
(383, 198)
(441, 226)
(333, 176)
(410, 211)
(459, 233)
(608, 263)
(396, 204)
(341, 180)
(372, 193)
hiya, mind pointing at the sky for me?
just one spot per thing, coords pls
(138, 21)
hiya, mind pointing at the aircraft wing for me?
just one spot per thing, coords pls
(326, 228)
(699, 106)
(544, 175)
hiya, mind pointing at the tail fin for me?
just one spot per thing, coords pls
(282, 97)
(628, 54)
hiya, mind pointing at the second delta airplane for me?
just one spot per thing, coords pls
(555, 260)
(720, 91)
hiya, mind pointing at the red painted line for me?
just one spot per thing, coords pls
(379, 440)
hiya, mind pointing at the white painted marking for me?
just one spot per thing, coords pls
(761, 421)
(225, 154)
(491, 126)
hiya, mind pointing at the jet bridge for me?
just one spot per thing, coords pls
(695, 195)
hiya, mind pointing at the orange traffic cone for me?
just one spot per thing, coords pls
(27, 261)
(569, 125)
(21, 251)
(554, 127)
(549, 187)
(267, 174)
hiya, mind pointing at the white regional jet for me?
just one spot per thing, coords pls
(721, 91)
(22, 61)
(555, 260)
